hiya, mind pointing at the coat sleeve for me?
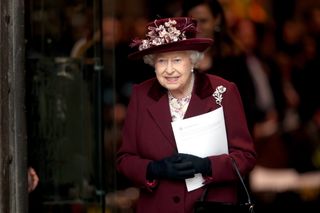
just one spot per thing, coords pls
(128, 161)
(240, 143)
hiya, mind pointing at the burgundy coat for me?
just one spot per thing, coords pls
(147, 136)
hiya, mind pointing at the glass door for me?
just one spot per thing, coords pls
(64, 70)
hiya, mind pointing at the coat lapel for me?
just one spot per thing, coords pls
(198, 106)
(160, 111)
(202, 100)
(161, 115)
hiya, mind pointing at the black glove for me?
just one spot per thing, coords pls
(170, 168)
(200, 165)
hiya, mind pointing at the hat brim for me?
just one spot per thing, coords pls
(197, 44)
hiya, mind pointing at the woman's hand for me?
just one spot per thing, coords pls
(33, 179)
(200, 165)
(173, 167)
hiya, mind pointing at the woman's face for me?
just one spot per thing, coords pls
(206, 20)
(173, 71)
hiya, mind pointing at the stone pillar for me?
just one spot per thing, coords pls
(13, 157)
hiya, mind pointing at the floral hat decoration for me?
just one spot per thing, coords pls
(170, 34)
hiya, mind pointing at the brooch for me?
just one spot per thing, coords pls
(218, 94)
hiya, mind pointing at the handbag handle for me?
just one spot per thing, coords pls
(234, 164)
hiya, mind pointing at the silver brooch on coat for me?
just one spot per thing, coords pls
(218, 94)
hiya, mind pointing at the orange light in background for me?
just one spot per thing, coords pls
(257, 13)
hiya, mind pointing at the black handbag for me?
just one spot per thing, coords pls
(204, 206)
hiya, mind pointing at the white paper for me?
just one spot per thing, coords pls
(203, 135)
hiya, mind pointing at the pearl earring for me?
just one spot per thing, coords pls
(192, 69)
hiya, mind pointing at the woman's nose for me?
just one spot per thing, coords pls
(170, 68)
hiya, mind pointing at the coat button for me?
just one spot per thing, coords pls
(176, 199)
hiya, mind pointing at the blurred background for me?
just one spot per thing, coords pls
(79, 83)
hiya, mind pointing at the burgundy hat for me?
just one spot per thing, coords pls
(170, 34)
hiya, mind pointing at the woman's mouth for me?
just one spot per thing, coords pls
(172, 79)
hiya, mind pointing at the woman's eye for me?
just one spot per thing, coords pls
(161, 61)
(177, 60)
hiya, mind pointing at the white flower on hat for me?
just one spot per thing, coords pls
(172, 34)
(162, 34)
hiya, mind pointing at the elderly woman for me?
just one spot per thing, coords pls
(148, 155)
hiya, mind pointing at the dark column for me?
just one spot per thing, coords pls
(13, 169)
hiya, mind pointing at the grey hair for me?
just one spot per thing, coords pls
(149, 59)
(195, 57)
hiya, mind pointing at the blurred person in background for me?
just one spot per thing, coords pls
(312, 22)
(286, 149)
(298, 62)
(148, 155)
(225, 58)
(267, 81)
